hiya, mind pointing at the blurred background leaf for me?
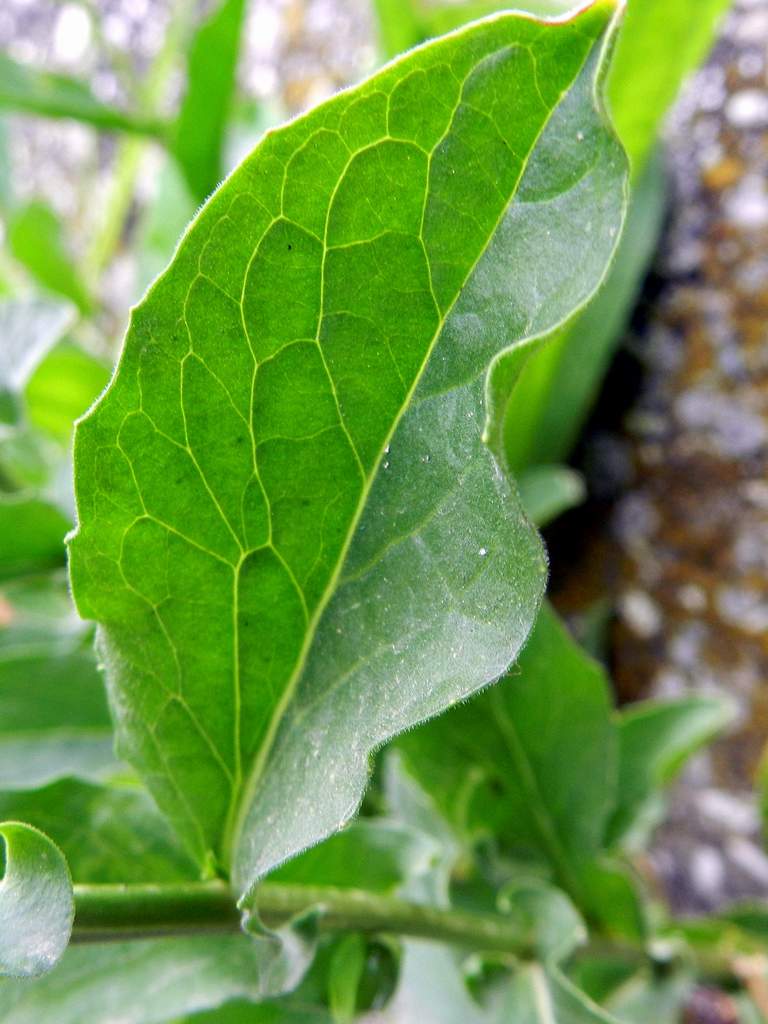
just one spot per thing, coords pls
(198, 134)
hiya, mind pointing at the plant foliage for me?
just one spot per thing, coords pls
(304, 532)
(290, 528)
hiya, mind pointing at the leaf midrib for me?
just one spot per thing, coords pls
(241, 801)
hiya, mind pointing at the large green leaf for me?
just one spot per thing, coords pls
(202, 120)
(290, 528)
(36, 902)
(559, 384)
(648, 68)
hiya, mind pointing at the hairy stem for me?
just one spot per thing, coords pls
(105, 913)
(116, 912)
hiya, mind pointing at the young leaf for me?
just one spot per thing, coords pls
(548, 491)
(290, 528)
(6, 184)
(37, 906)
(406, 23)
(613, 898)
(535, 757)
(164, 220)
(539, 996)
(645, 998)
(39, 92)
(61, 388)
(29, 328)
(655, 740)
(344, 974)
(35, 236)
(651, 64)
(211, 69)
(547, 914)
(432, 991)
(31, 535)
(285, 1011)
(412, 807)
(400, 26)
(29, 760)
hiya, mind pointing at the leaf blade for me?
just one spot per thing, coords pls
(281, 515)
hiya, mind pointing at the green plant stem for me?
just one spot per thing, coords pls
(107, 913)
(715, 966)
(117, 912)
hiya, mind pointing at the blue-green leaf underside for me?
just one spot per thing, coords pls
(37, 906)
(151, 981)
(290, 529)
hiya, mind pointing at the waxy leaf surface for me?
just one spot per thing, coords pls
(37, 906)
(149, 981)
(291, 530)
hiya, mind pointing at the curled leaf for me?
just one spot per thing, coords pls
(37, 904)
